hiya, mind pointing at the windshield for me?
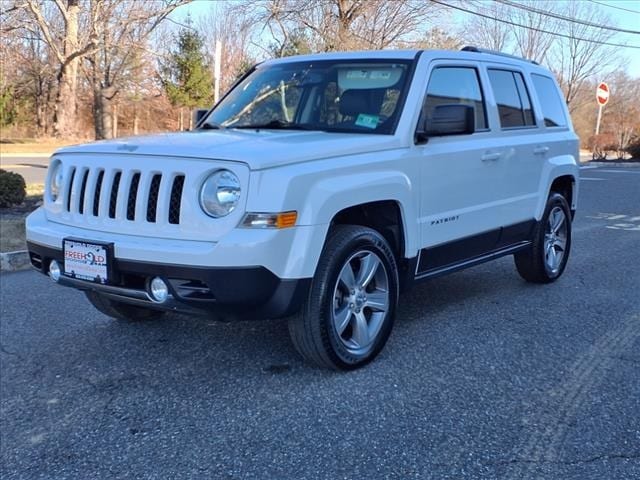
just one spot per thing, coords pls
(334, 96)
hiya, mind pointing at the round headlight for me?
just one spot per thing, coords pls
(55, 179)
(220, 193)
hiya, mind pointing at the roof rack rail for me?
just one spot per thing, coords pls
(471, 48)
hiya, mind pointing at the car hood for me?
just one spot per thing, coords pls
(259, 149)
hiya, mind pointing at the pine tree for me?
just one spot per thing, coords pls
(188, 78)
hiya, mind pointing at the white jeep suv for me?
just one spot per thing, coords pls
(318, 188)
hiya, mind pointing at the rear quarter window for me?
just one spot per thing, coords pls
(550, 101)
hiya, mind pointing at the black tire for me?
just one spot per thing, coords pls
(122, 311)
(354, 249)
(532, 264)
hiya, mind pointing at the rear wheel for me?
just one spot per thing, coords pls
(122, 311)
(547, 257)
(351, 306)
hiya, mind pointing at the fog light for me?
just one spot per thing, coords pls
(54, 271)
(158, 290)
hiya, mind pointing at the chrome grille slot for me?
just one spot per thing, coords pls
(176, 199)
(69, 188)
(133, 195)
(152, 201)
(83, 187)
(96, 195)
(113, 197)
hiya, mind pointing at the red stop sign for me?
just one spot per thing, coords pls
(602, 93)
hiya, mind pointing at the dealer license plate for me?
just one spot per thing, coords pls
(86, 261)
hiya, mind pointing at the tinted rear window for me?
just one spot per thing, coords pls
(514, 105)
(550, 101)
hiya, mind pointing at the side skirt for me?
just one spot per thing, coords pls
(439, 271)
(473, 250)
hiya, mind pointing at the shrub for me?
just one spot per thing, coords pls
(634, 148)
(12, 189)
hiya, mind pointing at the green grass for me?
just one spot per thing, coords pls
(12, 232)
(25, 146)
(35, 190)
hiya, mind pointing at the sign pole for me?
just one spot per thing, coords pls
(599, 118)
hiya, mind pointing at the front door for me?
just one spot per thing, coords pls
(461, 175)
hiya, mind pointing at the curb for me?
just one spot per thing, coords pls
(25, 155)
(14, 261)
(612, 164)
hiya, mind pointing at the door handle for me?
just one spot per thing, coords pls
(490, 157)
(540, 150)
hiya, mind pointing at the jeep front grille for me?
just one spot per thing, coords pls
(117, 194)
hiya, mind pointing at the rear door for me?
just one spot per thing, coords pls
(519, 141)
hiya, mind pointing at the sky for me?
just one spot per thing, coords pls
(623, 14)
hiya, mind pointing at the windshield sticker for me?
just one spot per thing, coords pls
(367, 121)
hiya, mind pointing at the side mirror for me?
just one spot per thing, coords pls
(199, 114)
(455, 119)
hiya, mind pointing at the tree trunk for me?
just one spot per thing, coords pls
(64, 118)
(136, 119)
(103, 119)
(64, 115)
(40, 105)
(114, 120)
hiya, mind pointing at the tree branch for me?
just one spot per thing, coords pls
(42, 24)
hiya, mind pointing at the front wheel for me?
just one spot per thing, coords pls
(349, 314)
(546, 258)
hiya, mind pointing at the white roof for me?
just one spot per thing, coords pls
(401, 55)
(363, 54)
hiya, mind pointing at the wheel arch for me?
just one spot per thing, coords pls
(370, 199)
(562, 175)
(384, 216)
(565, 185)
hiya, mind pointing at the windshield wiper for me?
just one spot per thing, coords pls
(276, 125)
(210, 126)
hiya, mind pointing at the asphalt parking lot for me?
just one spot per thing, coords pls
(484, 376)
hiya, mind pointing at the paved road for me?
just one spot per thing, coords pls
(32, 167)
(484, 376)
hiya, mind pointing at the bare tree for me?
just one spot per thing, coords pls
(346, 24)
(623, 112)
(490, 33)
(123, 29)
(578, 58)
(232, 26)
(61, 32)
(533, 32)
(104, 31)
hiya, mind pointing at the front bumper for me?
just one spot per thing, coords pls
(244, 292)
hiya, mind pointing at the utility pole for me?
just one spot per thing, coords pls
(216, 71)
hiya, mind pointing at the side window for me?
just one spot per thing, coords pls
(449, 85)
(512, 97)
(550, 100)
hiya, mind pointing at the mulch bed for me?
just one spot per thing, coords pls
(25, 208)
